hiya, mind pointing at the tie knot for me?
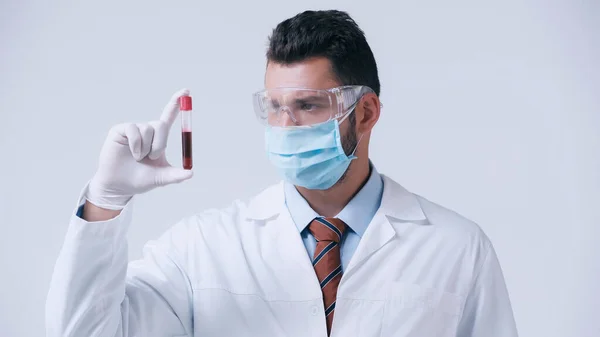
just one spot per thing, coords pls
(327, 229)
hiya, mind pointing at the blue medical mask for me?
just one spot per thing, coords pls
(311, 156)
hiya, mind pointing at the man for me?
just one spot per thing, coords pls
(335, 249)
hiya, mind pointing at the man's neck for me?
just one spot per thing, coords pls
(330, 202)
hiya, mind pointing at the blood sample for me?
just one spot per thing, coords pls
(185, 107)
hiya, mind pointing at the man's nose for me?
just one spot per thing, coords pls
(286, 117)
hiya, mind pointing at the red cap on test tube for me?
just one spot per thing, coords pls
(185, 103)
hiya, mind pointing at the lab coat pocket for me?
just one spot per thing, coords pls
(415, 311)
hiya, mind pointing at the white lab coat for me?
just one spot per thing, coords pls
(420, 270)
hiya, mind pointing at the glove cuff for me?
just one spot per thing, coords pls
(104, 198)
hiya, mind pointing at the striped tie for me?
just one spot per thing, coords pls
(327, 263)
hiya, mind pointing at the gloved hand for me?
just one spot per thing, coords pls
(133, 161)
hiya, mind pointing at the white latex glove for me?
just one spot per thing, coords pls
(133, 161)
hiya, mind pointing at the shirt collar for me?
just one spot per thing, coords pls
(357, 214)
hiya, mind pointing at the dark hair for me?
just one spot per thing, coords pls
(331, 34)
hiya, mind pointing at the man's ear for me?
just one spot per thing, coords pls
(368, 111)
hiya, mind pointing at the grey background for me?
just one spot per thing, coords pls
(491, 109)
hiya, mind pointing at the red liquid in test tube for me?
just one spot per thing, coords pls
(185, 106)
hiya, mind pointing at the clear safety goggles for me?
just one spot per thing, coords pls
(302, 107)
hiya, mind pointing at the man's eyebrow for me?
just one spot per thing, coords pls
(312, 98)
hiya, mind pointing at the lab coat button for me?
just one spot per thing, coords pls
(314, 310)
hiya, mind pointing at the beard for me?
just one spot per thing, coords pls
(349, 143)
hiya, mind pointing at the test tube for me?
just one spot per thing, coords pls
(185, 107)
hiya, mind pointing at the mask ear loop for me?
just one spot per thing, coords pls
(351, 156)
(362, 93)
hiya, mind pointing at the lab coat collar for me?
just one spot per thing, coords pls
(396, 202)
(268, 203)
(357, 214)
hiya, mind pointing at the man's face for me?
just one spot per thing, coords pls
(313, 73)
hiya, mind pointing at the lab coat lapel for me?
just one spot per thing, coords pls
(396, 204)
(376, 236)
(290, 245)
(269, 208)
